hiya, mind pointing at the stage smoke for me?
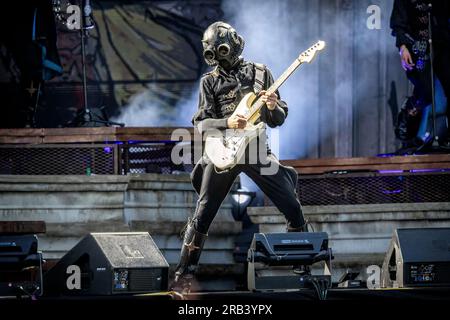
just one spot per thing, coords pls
(145, 109)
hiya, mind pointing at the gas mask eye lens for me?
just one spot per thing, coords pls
(223, 50)
(209, 54)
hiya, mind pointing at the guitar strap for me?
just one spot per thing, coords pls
(260, 72)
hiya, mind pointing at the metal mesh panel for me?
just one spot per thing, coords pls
(145, 279)
(371, 188)
(150, 158)
(59, 159)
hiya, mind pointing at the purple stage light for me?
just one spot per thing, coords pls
(389, 171)
(397, 191)
(428, 170)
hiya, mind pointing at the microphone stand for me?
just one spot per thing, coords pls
(435, 144)
(86, 116)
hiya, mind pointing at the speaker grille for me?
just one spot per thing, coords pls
(145, 280)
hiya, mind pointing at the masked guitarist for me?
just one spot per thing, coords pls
(220, 92)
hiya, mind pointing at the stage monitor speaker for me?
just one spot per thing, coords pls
(417, 258)
(109, 264)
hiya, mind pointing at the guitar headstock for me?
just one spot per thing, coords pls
(309, 54)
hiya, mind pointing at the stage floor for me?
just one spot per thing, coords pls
(335, 294)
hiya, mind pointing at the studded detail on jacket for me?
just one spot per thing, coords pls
(220, 93)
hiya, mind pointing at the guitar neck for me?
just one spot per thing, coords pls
(274, 87)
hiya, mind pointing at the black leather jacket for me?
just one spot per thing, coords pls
(409, 22)
(221, 91)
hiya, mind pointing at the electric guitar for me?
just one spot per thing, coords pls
(226, 149)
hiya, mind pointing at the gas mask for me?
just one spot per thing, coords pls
(222, 45)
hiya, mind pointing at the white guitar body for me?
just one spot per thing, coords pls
(226, 149)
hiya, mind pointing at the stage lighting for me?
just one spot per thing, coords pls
(287, 250)
(20, 266)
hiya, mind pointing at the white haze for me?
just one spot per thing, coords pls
(275, 34)
(275, 39)
(145, 110)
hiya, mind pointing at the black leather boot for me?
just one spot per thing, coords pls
(193, 242)
(300, 269)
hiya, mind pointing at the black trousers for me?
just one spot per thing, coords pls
(213, 187)
(422, 79)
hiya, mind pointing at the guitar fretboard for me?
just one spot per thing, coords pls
(274, 87)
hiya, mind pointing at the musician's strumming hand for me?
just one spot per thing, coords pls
(269, 99)
(406, 59)
(237, 121)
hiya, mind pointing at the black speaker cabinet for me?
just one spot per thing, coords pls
(109, 264)
(417, 258)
